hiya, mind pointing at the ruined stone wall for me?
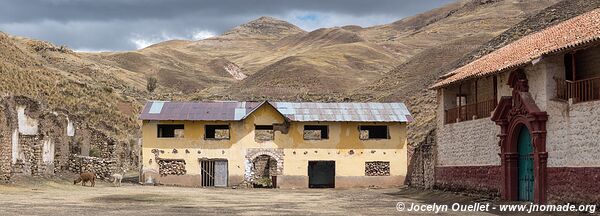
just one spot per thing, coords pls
(103, 168)
(5, 143)
(35, 141)
(422, 160)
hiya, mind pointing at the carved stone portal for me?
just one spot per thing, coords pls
(511, 114)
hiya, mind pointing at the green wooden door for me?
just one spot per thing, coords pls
(525, 165)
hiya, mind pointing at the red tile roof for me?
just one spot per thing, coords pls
(570, 34)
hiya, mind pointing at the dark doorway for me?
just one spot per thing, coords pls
(321, 174)
(264, 168)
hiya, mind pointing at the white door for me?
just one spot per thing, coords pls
(221, 173)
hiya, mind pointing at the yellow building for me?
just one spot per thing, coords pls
(274, 144)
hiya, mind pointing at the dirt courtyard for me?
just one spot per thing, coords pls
(61, 197)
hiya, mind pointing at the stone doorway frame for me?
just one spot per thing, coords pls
(512, 113)
(275, 153)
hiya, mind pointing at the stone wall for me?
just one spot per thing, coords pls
(35, 141)
(468, 143)
(5, 143)
(467, 151)
(476, 179)
(102, 167)
(572, 138)
(421, 167)
(574, 185)
(171, 167)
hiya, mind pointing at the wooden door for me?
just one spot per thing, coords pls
(526, 177)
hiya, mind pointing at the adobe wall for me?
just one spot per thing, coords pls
(290, 150)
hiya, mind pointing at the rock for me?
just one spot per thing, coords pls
(171, 167)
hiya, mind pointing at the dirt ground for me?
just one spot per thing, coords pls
(61, 197)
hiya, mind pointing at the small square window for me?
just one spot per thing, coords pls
(374, 132)
(216, 132)
(170, 130)
(316, 132)
(264, 133)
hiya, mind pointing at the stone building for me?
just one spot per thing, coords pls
(38, 141)
(522, 122)
(274, 144)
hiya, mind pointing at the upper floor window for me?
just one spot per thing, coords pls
(264, 132)
(216, 132)
(581, 81)
(316, 132)
(374, 132)
(472, 99)
(170, 131)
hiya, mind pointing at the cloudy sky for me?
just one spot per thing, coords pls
(108, 25)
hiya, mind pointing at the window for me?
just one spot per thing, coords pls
(170, 131)
(377, 168)
(263, 132)
(374, 132)
(316, 132)
(461, 100)
(216, 132)
(568, 59)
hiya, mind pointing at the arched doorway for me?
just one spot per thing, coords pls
(264, 169)
(525, 176)
(523, 156)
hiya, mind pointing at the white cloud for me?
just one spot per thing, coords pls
(202, 34)
(142, 41)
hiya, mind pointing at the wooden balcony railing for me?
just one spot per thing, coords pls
(579, 90)
(470, 111)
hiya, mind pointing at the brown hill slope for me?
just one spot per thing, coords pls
(273, 59)
(412, 35)
(402, 84)
(60, 79)
(345, 59)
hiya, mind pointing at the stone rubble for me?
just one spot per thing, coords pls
(377, 168)
(102, 167)
(171, 167)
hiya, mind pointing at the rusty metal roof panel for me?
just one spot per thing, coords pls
(294, 111)
(197, 111)
(358, 112)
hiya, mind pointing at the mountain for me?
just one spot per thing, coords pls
(263, 28)
(409, 81)
(272, 59)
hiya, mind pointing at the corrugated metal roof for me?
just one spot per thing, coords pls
(197, 111)
(570, 34)
(361, 112)
(294, 111)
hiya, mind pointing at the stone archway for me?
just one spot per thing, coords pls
(263, 163)
(511, 114)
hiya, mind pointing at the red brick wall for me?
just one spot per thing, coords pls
(477, 179)
(574, 185)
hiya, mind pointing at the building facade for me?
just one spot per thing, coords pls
(522, 121)
(274, 144)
